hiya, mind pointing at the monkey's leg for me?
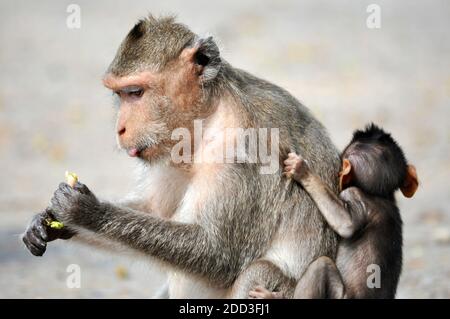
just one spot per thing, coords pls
(262, 273)
(320, 280)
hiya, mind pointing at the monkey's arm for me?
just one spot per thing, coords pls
(134, 203)
(92, 239)
(169, 241)
(208, 249)
(38, 233)
(345, 217)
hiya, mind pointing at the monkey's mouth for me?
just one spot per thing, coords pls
(142, 152)
(134, 152)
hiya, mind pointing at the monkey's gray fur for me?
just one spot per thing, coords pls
(246, 216)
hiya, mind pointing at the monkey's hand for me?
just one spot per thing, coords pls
(39, 233)
(75, 206)
(262, 293)
(295, 167)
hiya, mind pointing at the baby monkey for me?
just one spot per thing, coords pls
(365, 216)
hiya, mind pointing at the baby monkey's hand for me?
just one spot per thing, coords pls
(295, 167)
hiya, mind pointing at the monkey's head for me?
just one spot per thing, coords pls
(163, 76)
(375, 163)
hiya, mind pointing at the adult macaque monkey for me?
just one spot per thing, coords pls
(207, 222)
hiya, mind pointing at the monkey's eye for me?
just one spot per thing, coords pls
(137, 93)
(131, 91)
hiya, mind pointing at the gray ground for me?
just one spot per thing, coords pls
(55, 115)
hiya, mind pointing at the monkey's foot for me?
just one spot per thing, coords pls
(262, 293)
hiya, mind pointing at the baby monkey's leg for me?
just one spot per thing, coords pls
(320, 280)
(265, 276)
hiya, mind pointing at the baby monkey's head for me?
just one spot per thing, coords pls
(375, 163)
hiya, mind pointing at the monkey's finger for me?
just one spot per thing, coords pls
(42, 225)
(41, 231)
(288, 168)
(32, 247)
(287, 174)
(36, 239)
(253, 294)
(257, 295)
(295, 156)
(289, 161)
(54, 201)
(61, 195)
(277, 295)
(63, 186)
(47, 214)
(38, 226)
(65, 189)
(83, 189)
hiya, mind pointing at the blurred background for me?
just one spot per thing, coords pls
(56, 116)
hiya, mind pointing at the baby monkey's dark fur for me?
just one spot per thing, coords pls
(379, 165)
(365, 215)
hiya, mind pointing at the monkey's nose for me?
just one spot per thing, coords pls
(121, 131)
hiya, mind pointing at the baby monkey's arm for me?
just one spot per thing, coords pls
(342, 218)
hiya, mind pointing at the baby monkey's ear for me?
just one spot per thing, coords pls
(345, 175)
(411, 182)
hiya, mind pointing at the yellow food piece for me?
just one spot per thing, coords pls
(56, 225)
(71, 178)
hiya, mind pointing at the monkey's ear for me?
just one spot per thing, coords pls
(206, 57)
(411, 182)
(345, 175)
